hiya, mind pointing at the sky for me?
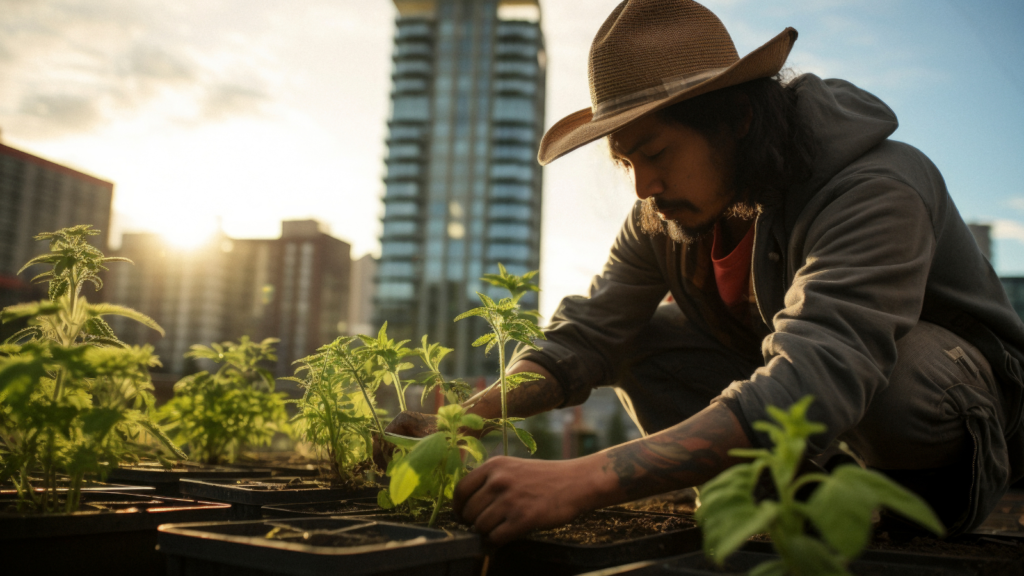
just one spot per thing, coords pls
(241, 113)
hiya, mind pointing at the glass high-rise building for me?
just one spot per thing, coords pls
(463, 187)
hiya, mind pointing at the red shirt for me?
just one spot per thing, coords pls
(732, 271)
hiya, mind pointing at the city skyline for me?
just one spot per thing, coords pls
(240, 111)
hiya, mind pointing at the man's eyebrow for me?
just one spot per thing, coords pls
(637, 146)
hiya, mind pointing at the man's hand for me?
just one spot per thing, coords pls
(507, 497)
(412, 424)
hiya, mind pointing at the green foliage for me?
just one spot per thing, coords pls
(427, 470)
(74, 399)
(839, 509)
(388, 358)
(455, 391)
(508, 324)
(217, 415)
(337, 413)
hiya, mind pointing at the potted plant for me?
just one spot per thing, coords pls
(337, 415)
(76, 401)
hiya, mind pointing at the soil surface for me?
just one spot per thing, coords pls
(359, 536)
(608, 527)
(969, 546)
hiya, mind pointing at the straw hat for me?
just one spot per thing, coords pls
(653, 53)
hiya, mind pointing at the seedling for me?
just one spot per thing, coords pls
(337, 413)
(455, 391)
(839, 509)
(74, 399)
(433, 466)
(508, 324)
(217, 415)
(388, 356)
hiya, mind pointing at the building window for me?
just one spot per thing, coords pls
(402, 190)
(395, 290)
(514, 134)
(528, 69)
(509, 231)
(403, 151)
(519, 192)
(519, 172)
(510, 212)
(512, 152)
(411, 108)
(399, 228)
(395, 248)
(397, 270)
(508, 252)
(403, 170)
(401, 209)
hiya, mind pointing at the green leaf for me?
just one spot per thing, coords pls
(472, 421)
(526, 438)
(806, 556)
(104, 309)
(770, 568)
(384, 500)
(841, 507)
(29, 310)
(474, 448)
(473, 312)
(485, 339)
(99, 421)
(414, 468)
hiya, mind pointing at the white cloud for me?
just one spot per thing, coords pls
(1008, 230)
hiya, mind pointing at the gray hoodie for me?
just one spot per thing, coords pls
(843, 267)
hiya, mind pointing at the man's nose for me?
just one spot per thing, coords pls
(647, 183)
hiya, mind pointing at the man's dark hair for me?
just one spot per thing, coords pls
(776, 151)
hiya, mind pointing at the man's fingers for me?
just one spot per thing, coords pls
(468, 487)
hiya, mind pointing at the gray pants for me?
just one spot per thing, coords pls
(936, 428)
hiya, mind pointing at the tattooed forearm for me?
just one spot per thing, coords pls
(687, 454)
(527, 399)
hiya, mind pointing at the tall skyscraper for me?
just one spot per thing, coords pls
(463, 187)
(37, 195)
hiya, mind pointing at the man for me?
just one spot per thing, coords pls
(805, 253)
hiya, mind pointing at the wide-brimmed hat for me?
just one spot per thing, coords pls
(653, 53)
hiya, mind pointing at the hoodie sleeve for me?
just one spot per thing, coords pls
(587, 333)
(865, 264)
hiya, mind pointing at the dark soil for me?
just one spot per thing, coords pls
(344, 537)
(605, 527)
(304, 484)
(970, 546)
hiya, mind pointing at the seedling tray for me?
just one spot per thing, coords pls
(113, 534)
(248, 495)
(538, 555)
(166, 480)
(873, 563)
(313, 546)
(8, 489)
(350, 507)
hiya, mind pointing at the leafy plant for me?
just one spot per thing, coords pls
(428, 469)
(388, 357)
(74, 399)
(217, 415)
(455, 391)
(839, 508)
(508, 324)
(337, 412)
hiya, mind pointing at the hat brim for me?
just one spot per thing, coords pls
(580, 128)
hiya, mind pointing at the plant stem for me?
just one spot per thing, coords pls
(398, 390)
(502, 383)
(437, 505)
(354, 370)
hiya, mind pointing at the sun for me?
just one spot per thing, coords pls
(191, 233)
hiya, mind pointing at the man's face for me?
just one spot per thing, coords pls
(682, 178)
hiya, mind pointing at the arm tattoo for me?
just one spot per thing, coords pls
(687, 454)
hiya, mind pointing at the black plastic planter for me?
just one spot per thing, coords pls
(534, 555)
(113, 534)
(248, 495)
(166, 480)
(873, 563)
(350, 507)
(7, 489)
(313, 546)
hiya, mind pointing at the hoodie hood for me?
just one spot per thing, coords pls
(845, 122)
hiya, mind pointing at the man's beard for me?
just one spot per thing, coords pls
(652, 224)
